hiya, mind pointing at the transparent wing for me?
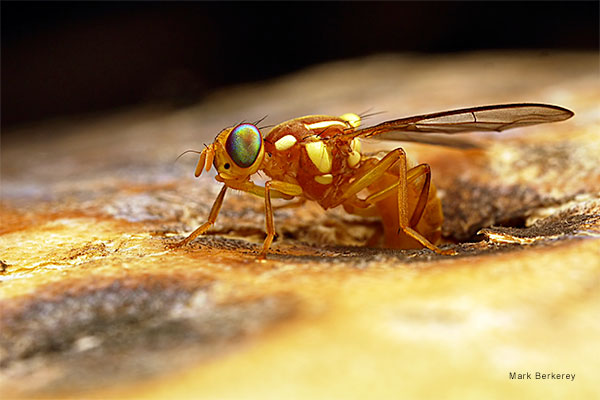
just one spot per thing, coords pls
(477, 119)
(435, 139)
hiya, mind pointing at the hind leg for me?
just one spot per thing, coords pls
(395, 164)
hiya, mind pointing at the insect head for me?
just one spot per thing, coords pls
(236, 153)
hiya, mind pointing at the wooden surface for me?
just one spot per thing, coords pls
(94, 303)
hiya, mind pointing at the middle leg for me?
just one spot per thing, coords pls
(282, 187)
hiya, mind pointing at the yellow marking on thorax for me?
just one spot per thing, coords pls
(324, 124)
(285, 142)
(354, 156)
(324, 179)
(352, 119)
(320, 155)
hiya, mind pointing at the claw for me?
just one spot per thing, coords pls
(432, 247)
(448, 252)
(177, 245)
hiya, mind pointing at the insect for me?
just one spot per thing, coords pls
(319, 158)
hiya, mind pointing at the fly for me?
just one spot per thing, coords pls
(319, 158)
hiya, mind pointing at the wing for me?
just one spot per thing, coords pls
(422, 128)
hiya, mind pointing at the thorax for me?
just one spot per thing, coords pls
(313, 152)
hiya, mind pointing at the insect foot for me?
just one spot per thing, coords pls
(176, 245)
(447, 252)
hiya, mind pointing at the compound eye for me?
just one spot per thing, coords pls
(243, 145)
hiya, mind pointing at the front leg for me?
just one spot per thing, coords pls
(212, 217)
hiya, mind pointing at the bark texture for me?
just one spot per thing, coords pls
(94, 302)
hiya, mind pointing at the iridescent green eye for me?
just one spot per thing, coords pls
(243, 145)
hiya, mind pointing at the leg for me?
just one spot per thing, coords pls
(212, 217)
(408, 226)
(367, 206)
(270, 226)
(413, 174)
(360, 207)
(397, 158)
(282, 187)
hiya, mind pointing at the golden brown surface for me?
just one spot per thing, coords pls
(94, 303)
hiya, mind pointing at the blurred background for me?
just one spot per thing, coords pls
(65, 59)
